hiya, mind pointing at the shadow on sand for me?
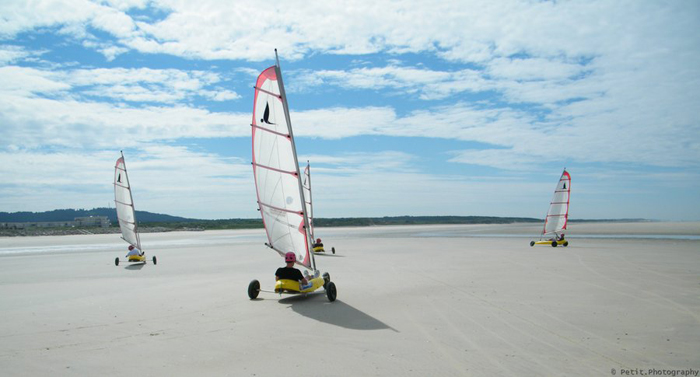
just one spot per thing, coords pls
(336, 313)
(135, 266)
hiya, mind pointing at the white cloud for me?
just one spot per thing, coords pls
(220, 95)
(396, 80)
(36, 122)
(165, 179)
(11, 53)
(617, 134)
(20, 81)
(506, 159)
(40, 107)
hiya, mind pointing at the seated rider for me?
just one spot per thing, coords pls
(318, 245)
(561, 237)
(134, 251)
(290, 272)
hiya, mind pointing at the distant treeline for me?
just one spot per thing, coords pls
(70, 214)
(418, 220)
(149, 219)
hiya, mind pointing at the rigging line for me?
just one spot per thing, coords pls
(279, 96)
(274, 169)
(126, 204)
(270, 131)
(122, 186)
(280, 209)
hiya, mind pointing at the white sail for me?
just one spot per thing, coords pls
(276, 170)
(124, 202)
(306, 184)
(558, 214)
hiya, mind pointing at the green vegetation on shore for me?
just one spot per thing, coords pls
(154, 222)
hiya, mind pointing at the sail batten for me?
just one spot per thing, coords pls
(276, 170)
(270, 131)
(278, 96)
(280, 209)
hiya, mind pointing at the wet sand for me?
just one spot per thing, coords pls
(419, 300)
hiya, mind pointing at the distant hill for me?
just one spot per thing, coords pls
(145, 217)
(418, 220)
(70, 214)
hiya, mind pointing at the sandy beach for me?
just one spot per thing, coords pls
(463, 300)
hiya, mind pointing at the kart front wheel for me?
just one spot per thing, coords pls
(253, 289)
(331, 292)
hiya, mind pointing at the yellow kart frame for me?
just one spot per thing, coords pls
(136, 259)
(286, 286)
(552, 243)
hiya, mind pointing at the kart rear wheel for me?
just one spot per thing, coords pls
(253, 289)
(554, 243)
(116, 261)
(532, 243)
(155, 261)
(331, 292)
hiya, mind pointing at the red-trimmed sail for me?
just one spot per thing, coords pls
(558, 214)
(276, 170)
(124, 202)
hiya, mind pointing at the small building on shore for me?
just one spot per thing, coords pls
(89, 221)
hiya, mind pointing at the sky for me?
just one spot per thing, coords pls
(469, 108)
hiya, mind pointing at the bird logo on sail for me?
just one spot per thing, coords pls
(266, 115)
(564, 186)
(119, 178)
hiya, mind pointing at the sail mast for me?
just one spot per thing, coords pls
(310, 208)
(285, 106)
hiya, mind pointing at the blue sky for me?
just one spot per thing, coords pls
(403, 108)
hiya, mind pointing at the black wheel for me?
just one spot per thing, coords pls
(155, 261)
(333, 250)
(326, 279)
(253, 289)
(331, 292)
(532, 243)
(116, 261)
(566, 243)
(554, 243)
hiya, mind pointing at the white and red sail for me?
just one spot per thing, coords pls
(276, 170)
(558, 214)
(124, 202)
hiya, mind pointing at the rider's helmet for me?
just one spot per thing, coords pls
(131, 247)
(290, 257)
(318, 240)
